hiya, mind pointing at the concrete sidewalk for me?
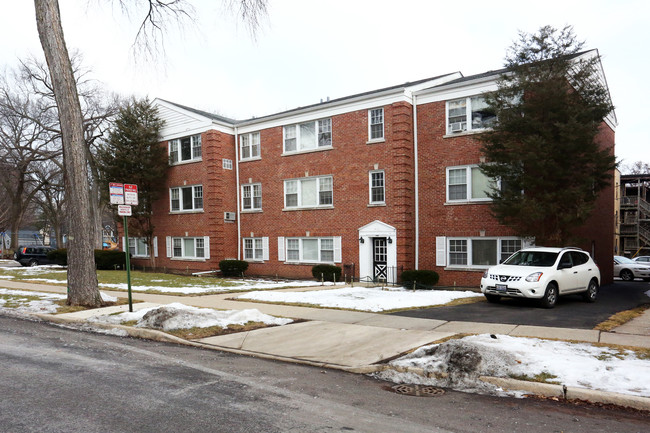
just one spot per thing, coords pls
(360, 342)
(350, 339)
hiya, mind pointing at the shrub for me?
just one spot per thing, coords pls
(326, 272)
(423, 279)
(110, 259)
(60, 256)
(233, 268)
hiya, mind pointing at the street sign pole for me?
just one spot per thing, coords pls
(125, 195)
(128, 262)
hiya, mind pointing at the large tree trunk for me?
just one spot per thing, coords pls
(82, 278)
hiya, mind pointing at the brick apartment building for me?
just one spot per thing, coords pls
(376, 183)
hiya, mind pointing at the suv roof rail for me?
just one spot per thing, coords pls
(572, 248)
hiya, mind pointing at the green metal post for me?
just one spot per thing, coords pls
(128, 262)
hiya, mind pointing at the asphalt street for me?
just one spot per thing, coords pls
(57, 380)
(570, 311)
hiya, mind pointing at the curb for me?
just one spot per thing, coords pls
(535, 388)
(152, 334)
(570, 393)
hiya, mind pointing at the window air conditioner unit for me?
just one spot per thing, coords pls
(457, 127)
(229, 216)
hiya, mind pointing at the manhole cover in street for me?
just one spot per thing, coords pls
(417, 390)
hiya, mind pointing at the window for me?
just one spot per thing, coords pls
(308, 192)
(250, 145)
(311, 250)
(138, 247)
(479, 252)
(308, 136)
(226, 164)
(188, 248)
(376, 124)
(468, 184)
(252, 196)
(253, 249)
(377, 187)
(481, 116)
(509, 247)
(185, 149)
(187, 198)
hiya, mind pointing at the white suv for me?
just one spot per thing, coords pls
(544, 274)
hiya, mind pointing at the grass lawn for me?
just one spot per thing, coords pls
(58, 276)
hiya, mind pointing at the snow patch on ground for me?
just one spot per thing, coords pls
(363, 298)
(457, 364)
(180, 316)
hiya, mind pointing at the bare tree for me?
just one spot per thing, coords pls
(82, 279)
(97, 108)
(637, 167)
(51, 199)
(23, 145)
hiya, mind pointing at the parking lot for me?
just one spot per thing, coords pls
(570, 311)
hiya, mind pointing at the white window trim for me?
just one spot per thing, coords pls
(252, 197)
(468, 114)
(443, 250)
(468, 182)
(299, 193)
(376, 203)
(184, 256)
(180, 199)
(296, 127)
(265, 248)
(250, 137)
(383, 126)
(136, 239)
(193, 158)
(283, 253)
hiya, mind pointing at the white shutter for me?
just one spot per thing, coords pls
(265, 248)
(281, 248)
(168, 240)
(155, 246)
(123, 243)
(337, 249)
(441, 251)
(206, 246)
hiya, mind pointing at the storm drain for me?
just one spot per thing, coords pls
(417, 390)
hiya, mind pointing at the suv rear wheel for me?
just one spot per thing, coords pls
(592, 291)
(550, 296)
(33, 262)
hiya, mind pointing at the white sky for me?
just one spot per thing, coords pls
(308, 50)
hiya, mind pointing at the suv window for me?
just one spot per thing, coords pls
(532, 258)
(566, 260)
(579, 258)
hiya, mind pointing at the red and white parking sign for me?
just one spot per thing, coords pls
(131, 194)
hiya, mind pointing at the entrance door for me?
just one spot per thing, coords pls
(380, 259)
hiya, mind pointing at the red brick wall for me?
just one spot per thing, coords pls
(349, 162)
(436, 153)
(598, 232)
(219, 185)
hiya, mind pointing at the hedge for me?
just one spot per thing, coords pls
(326, 272)
(423, 279)
(110, 259)
(60, 256)
(104, 259)
(233, 268)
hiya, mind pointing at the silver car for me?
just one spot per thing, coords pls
(628, 269)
